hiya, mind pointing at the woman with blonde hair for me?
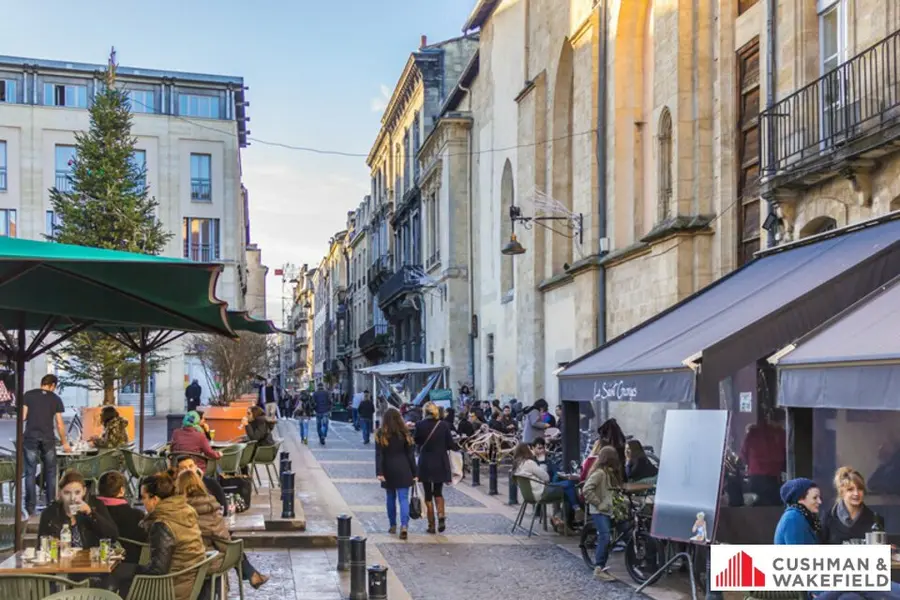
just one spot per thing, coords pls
(434, 439)
(849, 518)
(599, 492)
(395, 467)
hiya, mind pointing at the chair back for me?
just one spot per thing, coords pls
(144, 558)
(84, 594)
(140, 466)
(109, 460)
(266, 454)
(232, 551)
(7, 471)
(7, 526)
(248, 453)
(34, 587)
(162, 587)
(88, 467)
(211, 463)
(230, 463)
(526, 490)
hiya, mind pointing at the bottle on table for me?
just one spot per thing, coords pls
(65, 540)
(232, 510)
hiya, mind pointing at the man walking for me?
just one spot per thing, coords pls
(366, 412)
(192, 394)
(322, 404)
(41, 409)
(354, 409)
(271, 401)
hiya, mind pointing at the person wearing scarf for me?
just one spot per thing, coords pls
(799, 524)
(191, 438)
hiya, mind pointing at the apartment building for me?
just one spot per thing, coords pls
(190, 131)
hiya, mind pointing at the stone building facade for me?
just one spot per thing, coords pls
(302, 313)
(359, 298)
(329, 321)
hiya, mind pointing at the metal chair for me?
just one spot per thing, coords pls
(8, 477)
(7, 526)
(34, 587)
(144, 558)
(553, 494)
(162, 587)
(233, 552)
(84, 594)
(266, 456)
(140, 466)
(247, 455)
(230, 463)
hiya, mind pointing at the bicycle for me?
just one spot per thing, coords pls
(76, 426)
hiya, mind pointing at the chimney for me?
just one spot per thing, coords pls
(424, 42)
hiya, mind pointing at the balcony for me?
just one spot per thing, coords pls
(393, 291)
(63, 183)
(379, 272)
(201, 190)
(374, 341)
(846, 118)
(201, 252)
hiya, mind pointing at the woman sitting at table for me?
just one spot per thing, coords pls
(87, 518)
(115, 430)
(111, 493)
(637, 465)
(192, 439)
(212, 525)
(258, 428)
(849, 518)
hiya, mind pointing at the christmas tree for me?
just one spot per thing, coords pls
(107, 204)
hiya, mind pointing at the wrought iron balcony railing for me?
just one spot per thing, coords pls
(201, 190)
(375, 337)
(855, 101)
(407, 278)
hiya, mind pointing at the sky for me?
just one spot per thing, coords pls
(319, 71)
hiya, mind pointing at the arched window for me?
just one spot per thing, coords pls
(664, 177)
(561, 189)
(507, 267)
(817, 226)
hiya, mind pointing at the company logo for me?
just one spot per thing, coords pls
(614, 390)
(849, 568)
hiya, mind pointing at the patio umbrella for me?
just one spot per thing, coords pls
(62, 289)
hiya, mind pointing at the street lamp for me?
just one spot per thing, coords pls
(514, 248)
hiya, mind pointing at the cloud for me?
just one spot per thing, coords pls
(380, 102)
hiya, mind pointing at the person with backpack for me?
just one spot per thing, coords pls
(302, 414)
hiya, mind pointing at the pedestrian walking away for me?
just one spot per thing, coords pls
(42, 408)
(322, 405)
(271, 397)
(302, 414)
(192, 394)
(366, 412)
(395, 467)
(354, 409)
(434, 439)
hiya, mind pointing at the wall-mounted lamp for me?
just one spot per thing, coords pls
(513, 247)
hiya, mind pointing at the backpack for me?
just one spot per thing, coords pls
(242, 490)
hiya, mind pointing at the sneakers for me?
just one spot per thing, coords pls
(602, 574)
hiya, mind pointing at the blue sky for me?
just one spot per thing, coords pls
(318, 72)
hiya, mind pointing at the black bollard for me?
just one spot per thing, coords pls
(513, 490)
(285, 465)
(358, 568)
(476, 471)
(287, 495)
(343, 541)
(377, 582)
(284, 455)
(492, 479)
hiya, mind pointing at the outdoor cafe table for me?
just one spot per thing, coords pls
(79, 563)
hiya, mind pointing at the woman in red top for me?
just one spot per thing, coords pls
(192, 438)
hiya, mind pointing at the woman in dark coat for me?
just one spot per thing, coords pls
(395, 466)
(87, 518)
(434, 439)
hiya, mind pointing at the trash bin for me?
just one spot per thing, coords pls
(173, 422)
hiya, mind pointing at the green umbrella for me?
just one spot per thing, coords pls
(57, 288)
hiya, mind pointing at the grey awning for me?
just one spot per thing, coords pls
(852, 361)
(744, 316)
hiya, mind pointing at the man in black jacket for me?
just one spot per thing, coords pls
(366, 412)
(192, 394)
(322, 405)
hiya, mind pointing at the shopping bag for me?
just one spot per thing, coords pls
(415, 503)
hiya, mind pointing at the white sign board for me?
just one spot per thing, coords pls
(746, 402)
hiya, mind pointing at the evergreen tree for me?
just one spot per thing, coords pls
(107, 205)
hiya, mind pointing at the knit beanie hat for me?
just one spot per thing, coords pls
(795, 490)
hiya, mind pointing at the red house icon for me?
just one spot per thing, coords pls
(740, 573)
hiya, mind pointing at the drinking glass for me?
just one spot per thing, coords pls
(95, 555)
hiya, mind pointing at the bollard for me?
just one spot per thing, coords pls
(358, 568)
(513, 490)
(284, 455)
(378, 582)
(287, 495)
(343, 541)
(492, 479)
(285, 465)
(476, 471)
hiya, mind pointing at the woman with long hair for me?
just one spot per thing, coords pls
(434, 439)
(637, 465)
(599, 492)
(395, 466)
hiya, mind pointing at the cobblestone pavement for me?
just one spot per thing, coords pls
(348, 470)
(457, 524)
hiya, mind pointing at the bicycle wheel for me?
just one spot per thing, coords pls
(588, 543)
(644, 555)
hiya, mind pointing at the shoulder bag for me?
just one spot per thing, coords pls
(454, 456)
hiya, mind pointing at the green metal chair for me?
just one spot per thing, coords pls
(266, 456)
(34, 587)
(230, 463)
(162, 587)
(7, 526)
(553, 494)
(88, 467)
(247, 455)
(8, 477)
(232, 552)
(144, 558)
(84, 594)
(140, 466)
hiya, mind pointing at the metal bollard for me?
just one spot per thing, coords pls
(378, 582)
(513, 490)
(492, 479)
(284, 466)
(358, 568)
(343, 541)
(476, 471)
(287, 495)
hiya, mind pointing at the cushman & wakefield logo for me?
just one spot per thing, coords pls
(849, 568)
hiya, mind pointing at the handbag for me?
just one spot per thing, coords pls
(454, 456)
(415, 503)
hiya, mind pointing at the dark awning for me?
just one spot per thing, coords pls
(743, 317)
(852, 361)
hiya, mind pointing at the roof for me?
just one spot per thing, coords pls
(744, 316)
(479, 15)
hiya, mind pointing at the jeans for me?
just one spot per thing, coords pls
(322, 425)
(304, 428)
(603, 524)
(46, 453)
(354, 417)
(366, 426)
(392, 496)
(569, 489)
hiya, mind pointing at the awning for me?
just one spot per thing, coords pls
(400, 368)
(850, 362)
(743, 317)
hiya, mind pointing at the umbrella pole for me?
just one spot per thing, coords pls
(143, 386)
(20, 391)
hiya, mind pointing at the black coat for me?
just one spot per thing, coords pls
(834, 531)
(93, 528)
(434, 464)
(366, 409)
(128, 522)
(396, 462)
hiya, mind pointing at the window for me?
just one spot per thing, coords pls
(190, 105)
(2, 166)
(142, 101)
(416, 146)
(443, 356)
(664, 202)
(201, 185)
(415, 257)
(490, 363)
(59, 94)
(65, 164)
(833, 51)
(748, 218)
(52, 224)
(8, 222)
(139, 161)
(407, 163)
(8, 91)
(201, 239)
